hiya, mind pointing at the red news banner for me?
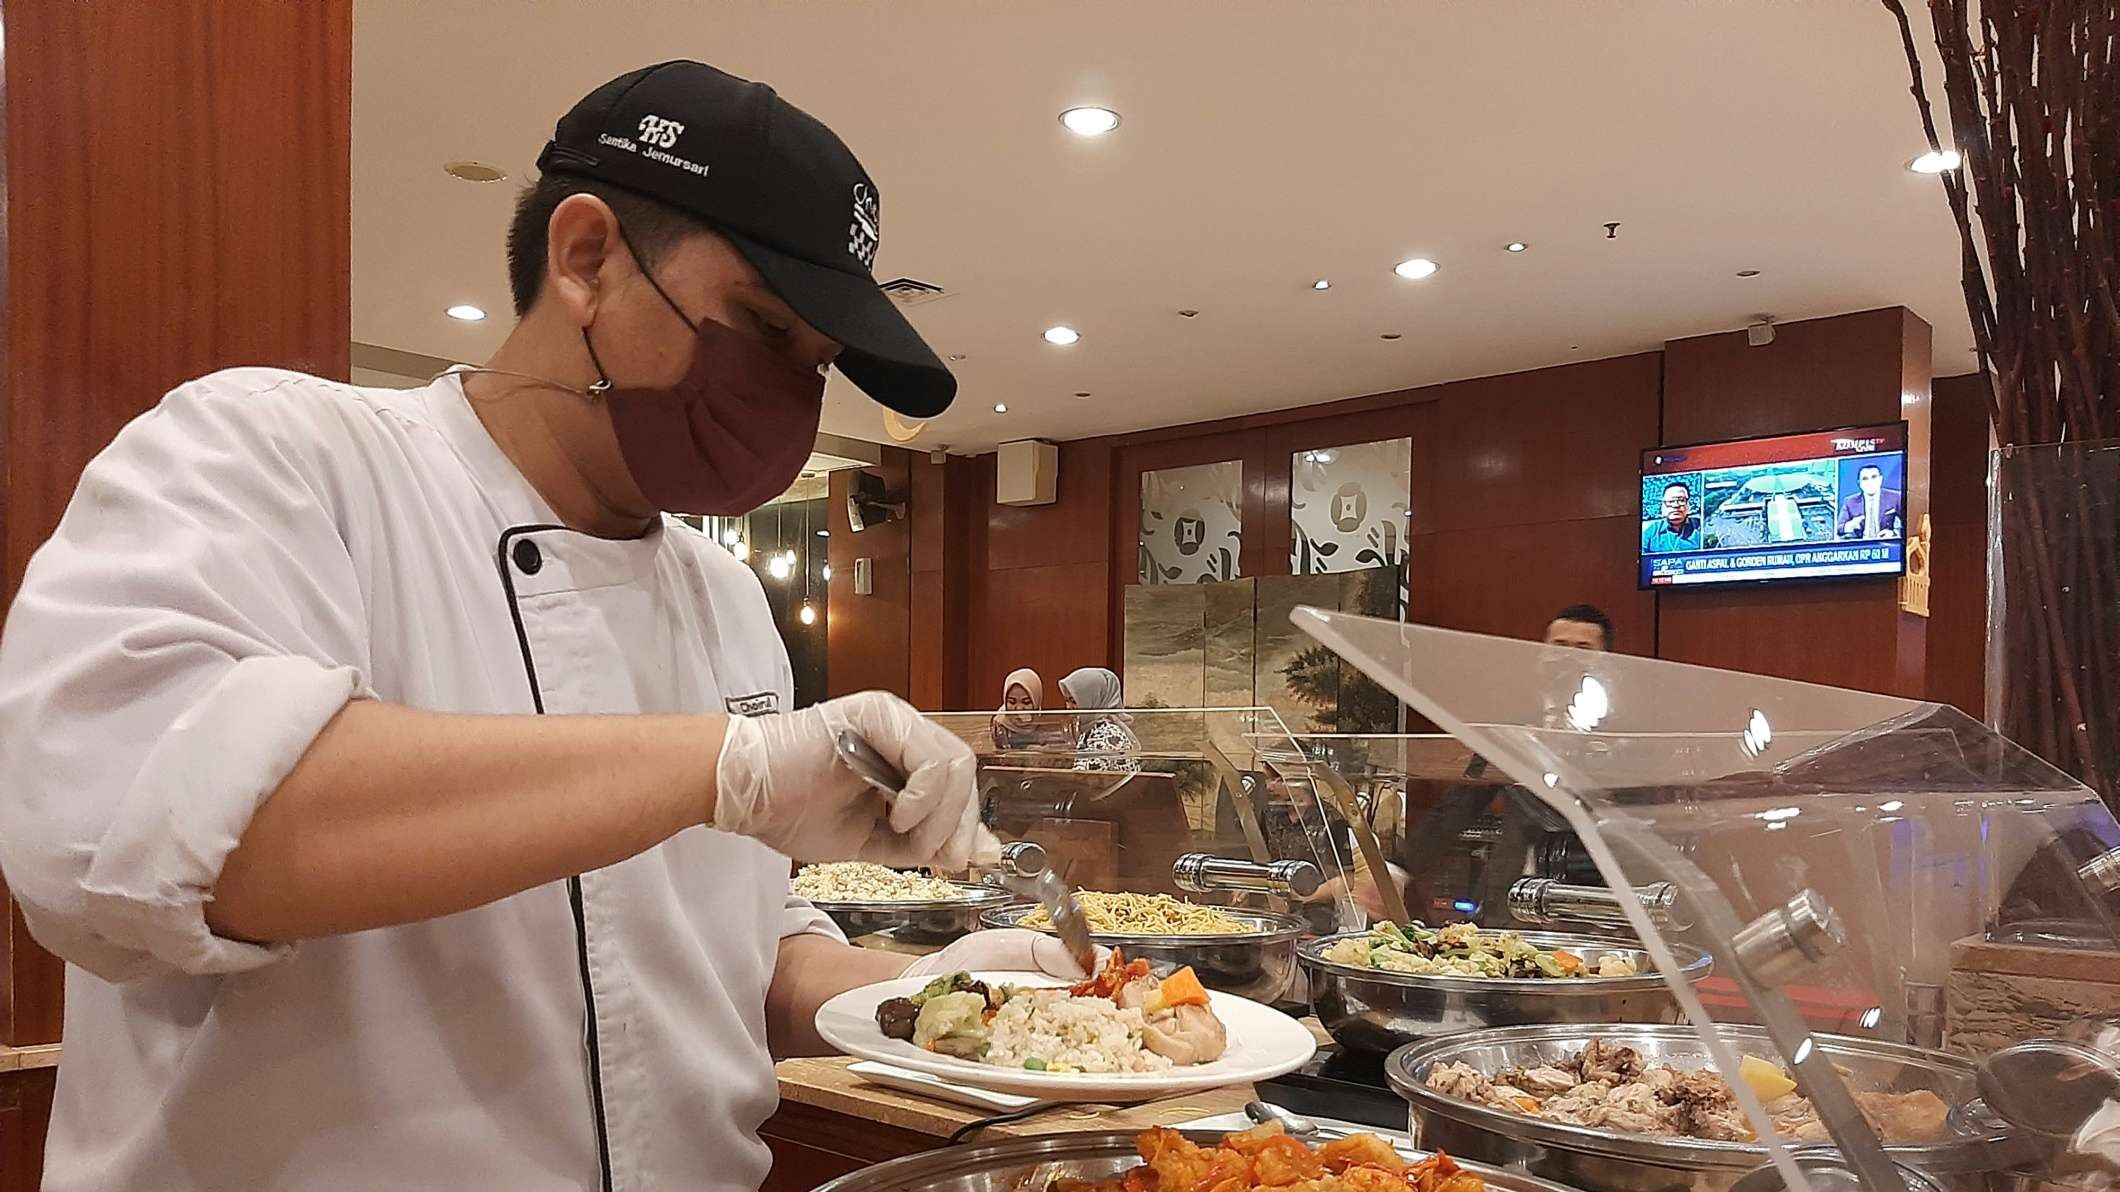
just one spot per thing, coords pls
(1822, 445)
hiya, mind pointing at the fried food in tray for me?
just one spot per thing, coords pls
(1266, 1158)
(1610, 1086)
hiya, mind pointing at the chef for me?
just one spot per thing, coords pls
(412, 805)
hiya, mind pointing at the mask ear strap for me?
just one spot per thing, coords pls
(641, 263)
(602, 384)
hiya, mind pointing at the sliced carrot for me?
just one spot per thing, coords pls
(1183, 988)
(1527, 1104)
(1568, 961)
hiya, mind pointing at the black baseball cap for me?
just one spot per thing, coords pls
(781, 186)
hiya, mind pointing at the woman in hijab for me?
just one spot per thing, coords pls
(1106, 742)
(1022, 695)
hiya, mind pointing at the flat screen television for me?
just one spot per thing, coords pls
(1828, 504)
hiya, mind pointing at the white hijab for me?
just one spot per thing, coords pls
(1094, 689)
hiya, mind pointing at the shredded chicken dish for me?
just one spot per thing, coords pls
(1610, 1086)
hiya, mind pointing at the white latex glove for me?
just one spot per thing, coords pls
(779, 781)
(1004, 950)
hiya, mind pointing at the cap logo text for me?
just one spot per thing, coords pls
(654, 130)
(866, 230)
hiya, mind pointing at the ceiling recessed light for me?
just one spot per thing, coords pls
(465, 312)
(1415, 268)
(1389, 335)
(1516, 246)
(1089, 121)
(1321, 284)
(1061, 336)
(1936, 162)
(1000, 407)
(1748, 273)
(474, 171)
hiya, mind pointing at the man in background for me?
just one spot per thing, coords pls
(1580, 627)
(1424, 846)
(1677, 529)
(1873, 512)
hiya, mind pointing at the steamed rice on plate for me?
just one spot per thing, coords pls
(1121, 1021)
(1069, 1034)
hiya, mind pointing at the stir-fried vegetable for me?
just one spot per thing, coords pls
(1463, 950)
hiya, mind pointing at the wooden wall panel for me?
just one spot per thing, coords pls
(1073, 529)
(1958, 458)
(1840, 371)
(172, 207)
(1555, 445)
(1817, 374)
(1510, 580)
(869, 638)
(943, 501)
(1038, 617)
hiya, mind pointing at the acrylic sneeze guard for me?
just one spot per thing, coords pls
(1829, 847)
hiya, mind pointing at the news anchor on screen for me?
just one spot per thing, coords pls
(1677, 529)
(1875, 512)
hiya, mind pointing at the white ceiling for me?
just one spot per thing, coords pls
(1264, 145)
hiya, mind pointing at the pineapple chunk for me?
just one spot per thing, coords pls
(1769, 1083)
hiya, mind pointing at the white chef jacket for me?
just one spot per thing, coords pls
(241, 561)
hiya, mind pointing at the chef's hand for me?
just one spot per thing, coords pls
(779, 781)
(1004, 950)
(1366, 894)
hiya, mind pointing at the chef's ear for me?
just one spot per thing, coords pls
(581, 243)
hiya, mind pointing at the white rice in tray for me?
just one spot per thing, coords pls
(1070, 1034)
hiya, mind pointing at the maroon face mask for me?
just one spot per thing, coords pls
(728, 437)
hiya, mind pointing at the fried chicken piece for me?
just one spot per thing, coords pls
(1583, 1105)
(1432, 1173)
(1367, 1149)
(1460, 1080)
(1539, 1082)
(1636, 1109)
(1370, 1179)
(1613, 1062)
(1796, 1119)
(1175, 1161)
(1709, 1108)
(1283, 1161)
(1916, 1116)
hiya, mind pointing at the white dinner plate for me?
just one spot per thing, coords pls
(1263, 1042)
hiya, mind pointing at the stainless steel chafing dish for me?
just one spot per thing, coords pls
(1378, 1010)
(1977, 1153)
(928, 922)
(1259, 964)
(1033, 1164)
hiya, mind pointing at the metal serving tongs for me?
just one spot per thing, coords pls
(1022, 866)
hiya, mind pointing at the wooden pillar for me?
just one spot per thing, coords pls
(177, 201)
(1849, 370)
(867, 646)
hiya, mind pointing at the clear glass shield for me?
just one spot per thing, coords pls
(1872, 876)
(1156, 815)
